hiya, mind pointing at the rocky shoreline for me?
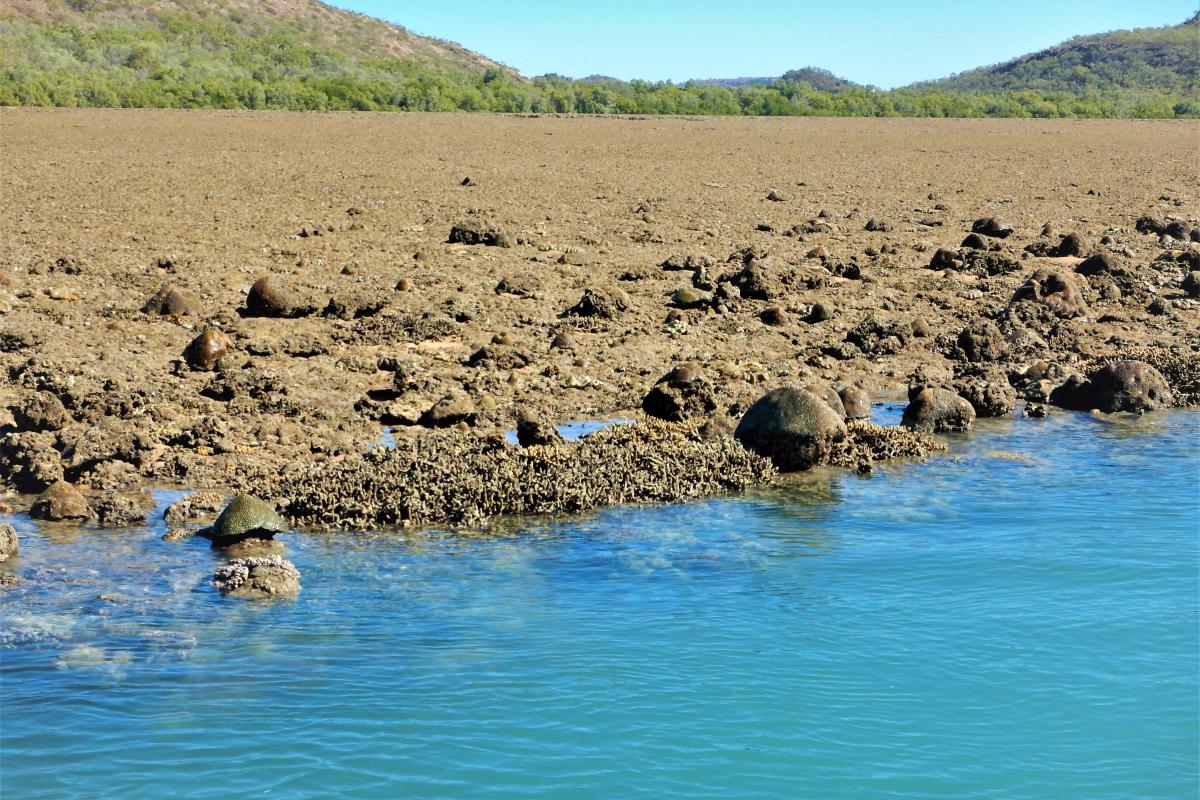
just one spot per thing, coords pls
(251, 340)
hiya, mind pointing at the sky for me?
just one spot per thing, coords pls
(885, 44)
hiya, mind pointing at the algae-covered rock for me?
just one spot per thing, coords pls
(793, 427)
(244, 517)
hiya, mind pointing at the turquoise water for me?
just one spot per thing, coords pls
(1016, 624)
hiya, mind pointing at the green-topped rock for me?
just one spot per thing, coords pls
(245, 517)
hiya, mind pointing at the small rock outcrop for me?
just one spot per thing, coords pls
(934, 410)
(42, 411)
(533, 432)
(450, 411)
(118, 511)
(1059, 291)
(987, 390)
(990, 226)
(603, 303)
(246, 516)
(682, 393)
(982, 341)
(61, 501)
(479, 231)
(792, 427)
(262, 578)
(1122, 386)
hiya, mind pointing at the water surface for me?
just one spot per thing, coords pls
(1017, 619)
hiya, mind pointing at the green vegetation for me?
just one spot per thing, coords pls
(231, 54)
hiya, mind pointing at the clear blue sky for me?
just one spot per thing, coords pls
(877, 42)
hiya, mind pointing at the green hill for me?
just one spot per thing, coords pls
(306, 55)
(229, 53)
(1156, 61)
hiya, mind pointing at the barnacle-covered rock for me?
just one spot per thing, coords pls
(261, 578)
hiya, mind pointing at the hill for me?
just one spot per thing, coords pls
(820, 79)
(281, 53)
(1153, 60)
(306, 55)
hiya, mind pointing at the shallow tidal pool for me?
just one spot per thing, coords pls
(1018, 618)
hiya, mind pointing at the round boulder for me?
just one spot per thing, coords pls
(174, 301)
(1191, 283)
(270, 297)
(534, 432)
(206, 350)
(245, 517)
(792, 427)
(934, 410)
(857, 402)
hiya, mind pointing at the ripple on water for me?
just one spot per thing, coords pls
(1015, 619)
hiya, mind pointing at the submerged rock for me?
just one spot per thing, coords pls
(793, 427)
(260, 578)
(246, 516)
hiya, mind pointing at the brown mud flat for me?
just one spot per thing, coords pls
(385, 317)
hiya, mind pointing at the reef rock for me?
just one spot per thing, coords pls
(262, 578)
(59, 502)
(10, 545)
(934, 410)
(1122, 386)
(245, 517)
(683, 392)
(792, 427)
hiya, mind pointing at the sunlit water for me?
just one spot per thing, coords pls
(1017, 619)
